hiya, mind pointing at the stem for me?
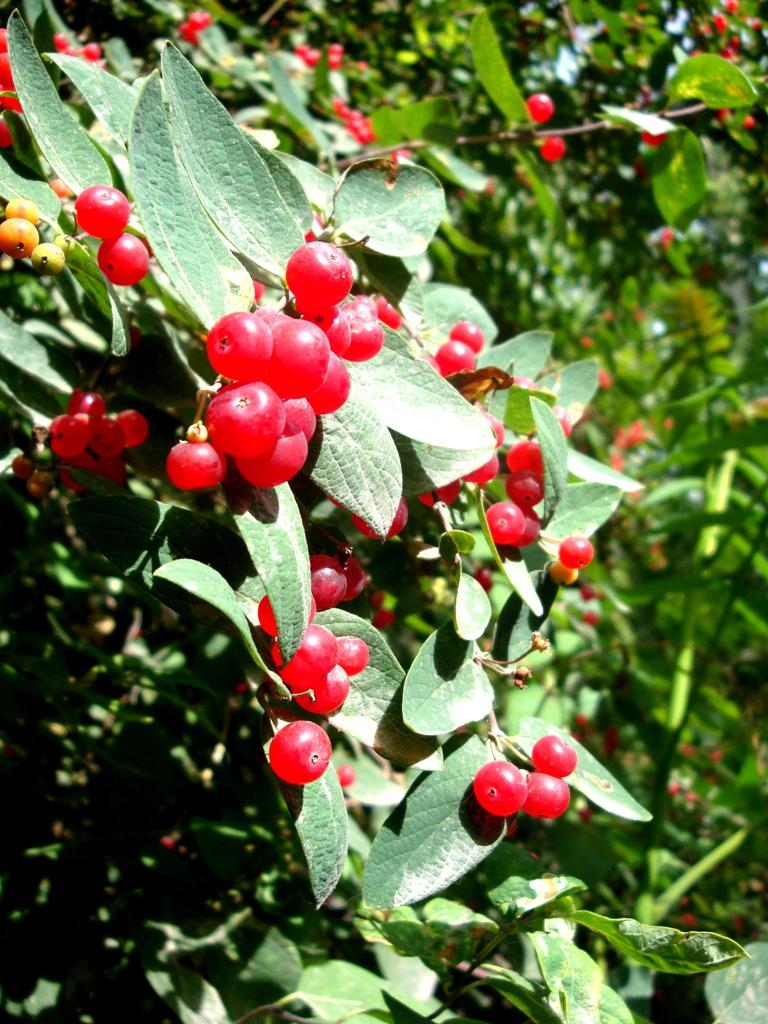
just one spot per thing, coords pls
(457, 990)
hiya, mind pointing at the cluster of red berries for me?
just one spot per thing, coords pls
(503, 789)
(91, 51)
(86, 438)
(6, 78)
(103, 212)
(540, 110)
(311, 57)
(20, 238)
(465, 343)
(357, 124)
(191, 29)
(285, 371)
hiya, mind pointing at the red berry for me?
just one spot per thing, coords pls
(102, 211)
(189, 33)
(6, 75)
(239, 347)
(590, 618)
(134, 427)
(199, 20)
(69, 435)
(564, 419)
(3, 40)
(485, 473)
(299, 359)
(383, 618)
(267, 617)
(506, 523)
(6, 139)
(89, 402)
(532, 528)
(193, 466)
(356, 578)
(91, 52)
(316, 656)
(319, 275)
(553, 756)
(387, 313)
(107, 438)
(22, 467)
(303, 415)
(604, 379)
(500, 788)
(454, 356)
(353, 654)
(335, 326)
(525, 488)
(299, 753)
(749, 122)
(576, 552)
(366, 335)
(340, 108)
(334, 391)
(258, 291)
(540, 107)
(328, 581)
(401, 518)
(525, 455)
(447, 494)
(468, 333)
(721, 23)
(280, 464)
(330, 693)
(588, 592)
(548, 796)
(110, 467)
(484, 577)
(553, 149)
(346, 775)
(123, 260)
(245, 420)
(312, 57)
(654, 140)
(498, 427)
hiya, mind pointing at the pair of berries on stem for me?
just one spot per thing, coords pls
(503, 789)
(103, 212)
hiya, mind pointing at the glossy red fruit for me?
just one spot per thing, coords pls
(123, 260)
(91, 52)
(485, 473)
(366, 334)
(335, 326)
(553, 756)
(540, 107)
(353, 654)
(106, 438)
(245, 420)
(401, 518)
(267, 617)
(6, 75)
(327, 580)
(525, 455)
(6, 139)
(468, 333)
(3, 40)
(525, 488)
(89, 402)
(454, 356)
(329, 693)
(552, 149)
(281, 463)
(356, 578)
(532, 528)
(102, 211)
(299, 358)
(303, 415)
(111, 468)
(497, 425)
(654, 140)
(721, 23)
(239, 347)
(548, 796)
(316, 656)
(188, 32)
(588, 592)
(299, 753)
(319, 275)
(500, 788)
(68, 435)
(199, 20)
(484, 577)
(590, 618)
(134, 427)
(576, 552)
(506, 523)
(447, 494)
(387, 313)
(749, 123)
(383, 618)
(334, 391)
(346, 775)
(191, 467)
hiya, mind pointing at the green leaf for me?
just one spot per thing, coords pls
(292, 102)
(583, 507)
(526, 353)
(514, 569)
(679, 177)
(518, 414)
(193, 999)
(436, 835)
(443, 305)
(412, 398)
(472, 610)
(65, 145)
(83, 265)
(637, 119)
(318, 186)
(17, 182)
(738, 995)
(336, 991)
(111, 100)
(448, 931)
(445, 687)
(576, 983)
(273, 532)
(585, 468)
(353, 459)
(492, 69)
(372, 712)
(517, 622)
(320, 817)
(590, 777)
(530, 997)
(575, 385)
(517, 885)
(248, 192)
(713, 80)
(185, 242)
(542, 193)
(30, 357)
(455, 542)
(394, 208)
(554, 454)
(428, 466)
(663, 949)
(455, 169)
(432, 120)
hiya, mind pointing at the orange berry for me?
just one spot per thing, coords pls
(62, 190)
(23, 208)
(562, 575)
(18, 237)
